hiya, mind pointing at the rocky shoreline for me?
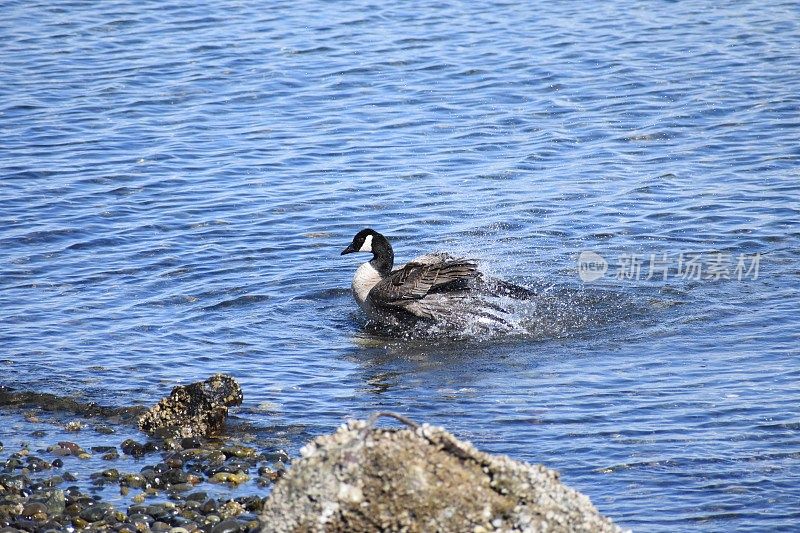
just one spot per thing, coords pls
(361, 478)
(40, 494)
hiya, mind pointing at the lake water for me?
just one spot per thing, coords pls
(177, 182)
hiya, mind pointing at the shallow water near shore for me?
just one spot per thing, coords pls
(177, 183)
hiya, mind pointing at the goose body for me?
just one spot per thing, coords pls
(435, 287)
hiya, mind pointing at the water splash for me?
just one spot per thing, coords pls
(547, 312)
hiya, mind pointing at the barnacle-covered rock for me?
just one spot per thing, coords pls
(198, 409)
(362, 479)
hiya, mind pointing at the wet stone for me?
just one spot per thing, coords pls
(180, 520)
(73, 509)
(55, 503)
(229, 478)
(155, 510)
(35, 464)
(111, 473)
(132, 448)
(215, 457)
(52, 481)
(137, 509)
(140, 517)
(34, 509)
(279, 455)
(150, 475)
(253, 525)
(172, 443)
(191, 516)
(230, 509)
(69, 448)
(25, 524)
(200, 496)
(133, 480)
(227, 526)
(16, 483)
(182, 487)
(236, 465)
(103, 449)
(174, 461)
(152, 446)
(175, 477)
(253, 504)
(12, 464)
(10, 508)
(240, 451)
(210, 506)
(191, 442)
(212, 519)
(95, 513)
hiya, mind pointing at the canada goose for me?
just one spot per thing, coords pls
(435, 287)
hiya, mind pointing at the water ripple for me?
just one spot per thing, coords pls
(178, 179)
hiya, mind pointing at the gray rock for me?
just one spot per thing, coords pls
(362, 479)
(55, 502)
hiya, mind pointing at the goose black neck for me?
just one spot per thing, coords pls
(382, 254)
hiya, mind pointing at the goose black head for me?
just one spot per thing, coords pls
(370, 241)
(362, 242)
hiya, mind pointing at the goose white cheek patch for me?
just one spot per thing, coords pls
(367, 246)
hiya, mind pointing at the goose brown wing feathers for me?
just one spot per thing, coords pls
(422, 277)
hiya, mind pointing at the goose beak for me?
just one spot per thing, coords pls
(348, 250)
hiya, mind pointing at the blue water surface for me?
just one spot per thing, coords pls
(177, 181)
